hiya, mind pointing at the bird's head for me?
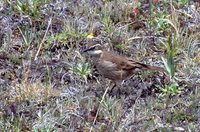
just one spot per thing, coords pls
(94, 50)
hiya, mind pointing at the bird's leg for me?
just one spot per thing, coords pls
(111, 90)
(121, 85)
(118, 91)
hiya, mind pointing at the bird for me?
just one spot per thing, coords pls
(116, 67)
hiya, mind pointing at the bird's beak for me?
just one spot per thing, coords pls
(85, 50)
(89, 49)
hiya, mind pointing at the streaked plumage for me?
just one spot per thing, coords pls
(116, 67)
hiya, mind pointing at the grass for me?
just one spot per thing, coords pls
(47, 84)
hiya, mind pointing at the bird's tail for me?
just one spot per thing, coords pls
(143, 66)
(153, 68)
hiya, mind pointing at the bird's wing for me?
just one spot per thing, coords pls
(127, 64)
(119, 62)
(124, 63)
(108, 64)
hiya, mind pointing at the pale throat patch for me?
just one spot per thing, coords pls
(95, 52)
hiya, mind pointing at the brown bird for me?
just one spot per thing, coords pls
(115, 67)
